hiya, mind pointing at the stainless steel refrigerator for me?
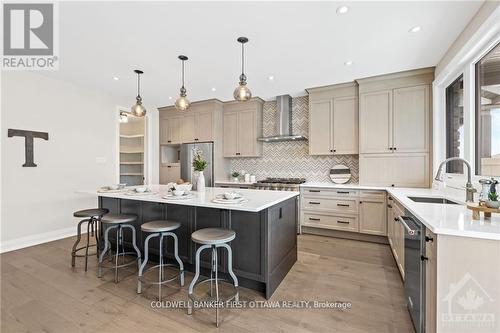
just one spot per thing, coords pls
(187, 155)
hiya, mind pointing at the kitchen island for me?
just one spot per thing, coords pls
(265, 247)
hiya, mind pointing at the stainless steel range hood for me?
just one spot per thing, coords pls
(283, 122)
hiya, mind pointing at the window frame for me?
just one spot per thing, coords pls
(464, 63)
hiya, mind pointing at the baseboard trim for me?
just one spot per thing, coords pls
(23, 242)
(345, 234)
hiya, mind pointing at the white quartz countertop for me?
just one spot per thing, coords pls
(257, 200)
(455, 220)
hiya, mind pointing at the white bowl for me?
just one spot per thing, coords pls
(184, 187)
(113, 187)
(231, 195)
(141, 189)
(178, 193)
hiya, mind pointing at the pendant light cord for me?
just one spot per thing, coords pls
(183, 73)
(243, 58)
(138, 84)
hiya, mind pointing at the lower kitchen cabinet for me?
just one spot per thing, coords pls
(397, 236)
(430, 281)
(372, 210)
(170, 173)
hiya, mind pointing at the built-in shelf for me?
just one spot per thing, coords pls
(131, 136)
(131, 152)
(131, 174)
(132, 163)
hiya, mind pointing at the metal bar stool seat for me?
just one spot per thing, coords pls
(118, 222)
(91, 217)
(161, 229)
(213, 238)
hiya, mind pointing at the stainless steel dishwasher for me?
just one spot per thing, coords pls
(415, 269)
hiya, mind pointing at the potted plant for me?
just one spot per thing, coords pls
(493, 200)
(235, 176)
(199, 165)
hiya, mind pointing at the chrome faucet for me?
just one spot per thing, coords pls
(469, 189)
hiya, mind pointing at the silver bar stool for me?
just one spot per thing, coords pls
(213, 238)
(92, 218)
(118, 222)
(160, 229)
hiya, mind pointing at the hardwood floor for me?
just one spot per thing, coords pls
(40, 292)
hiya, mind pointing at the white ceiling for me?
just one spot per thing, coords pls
(302, 44)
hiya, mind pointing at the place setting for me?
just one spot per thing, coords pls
(180, 192)
(118, 188)
(230, 198)
(140, 191)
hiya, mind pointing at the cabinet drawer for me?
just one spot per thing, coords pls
(329, 192)
(346, 205)
(347, 223)
(372, 194)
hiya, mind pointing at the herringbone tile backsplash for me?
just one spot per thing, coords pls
(291, 158)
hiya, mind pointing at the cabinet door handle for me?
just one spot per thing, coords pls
(335, 150)
(389, 206)
(195, 139)
(169, 141)
(342, 205)
(343, 222)
(423, 258)
(361, 202)
(395, 219)
(342, 192)
(314, 219)
(315, 191)
(394, 148)
(390, 198)
(169, 166)
(429, 239)
(314, 203)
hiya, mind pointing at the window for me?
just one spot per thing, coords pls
(455, 124)
(488, 114)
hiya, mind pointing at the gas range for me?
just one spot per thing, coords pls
(279, 184)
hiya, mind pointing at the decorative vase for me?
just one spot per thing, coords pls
(200, 182)
(493, 204)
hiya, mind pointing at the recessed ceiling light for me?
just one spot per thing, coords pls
(348, 63)
(116, 78)
(342, 10)
(270, 77)
(169, 97)
(415, 29)
(213, 89)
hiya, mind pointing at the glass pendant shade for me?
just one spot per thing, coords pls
(138, 109)
(182, 103)
(242, 93)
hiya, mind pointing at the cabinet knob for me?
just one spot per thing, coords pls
(331, 150)
(195, 139)
(361, 202)
(335, 150)
(394, 148)
(169, 141)
(429, 239)
(423, 258)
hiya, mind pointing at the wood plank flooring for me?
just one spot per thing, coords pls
(40, 292)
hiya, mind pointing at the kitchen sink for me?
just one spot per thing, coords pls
(443, 201)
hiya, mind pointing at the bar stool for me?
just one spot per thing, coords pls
(118, 222)
(160, 229)
(92, 218)
(213, 238)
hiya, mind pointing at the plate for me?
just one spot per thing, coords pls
(185, 196)
(232, 201)
(140, 193)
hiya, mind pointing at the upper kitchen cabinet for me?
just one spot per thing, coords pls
(394, 112)
(333, 119)
(394, 135)
(242, 127)
(197, 124)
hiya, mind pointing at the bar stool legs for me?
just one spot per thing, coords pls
(74, 252)
(119, 242)
(162, 264)
(214, 276)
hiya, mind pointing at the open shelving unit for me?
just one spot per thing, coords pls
(132, 136)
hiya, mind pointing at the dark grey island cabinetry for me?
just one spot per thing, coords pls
(265, 247)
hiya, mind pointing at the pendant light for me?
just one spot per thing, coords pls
(137, 109)
(242, 93)
(182, 103)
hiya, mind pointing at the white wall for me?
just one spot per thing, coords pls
(38, 203)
